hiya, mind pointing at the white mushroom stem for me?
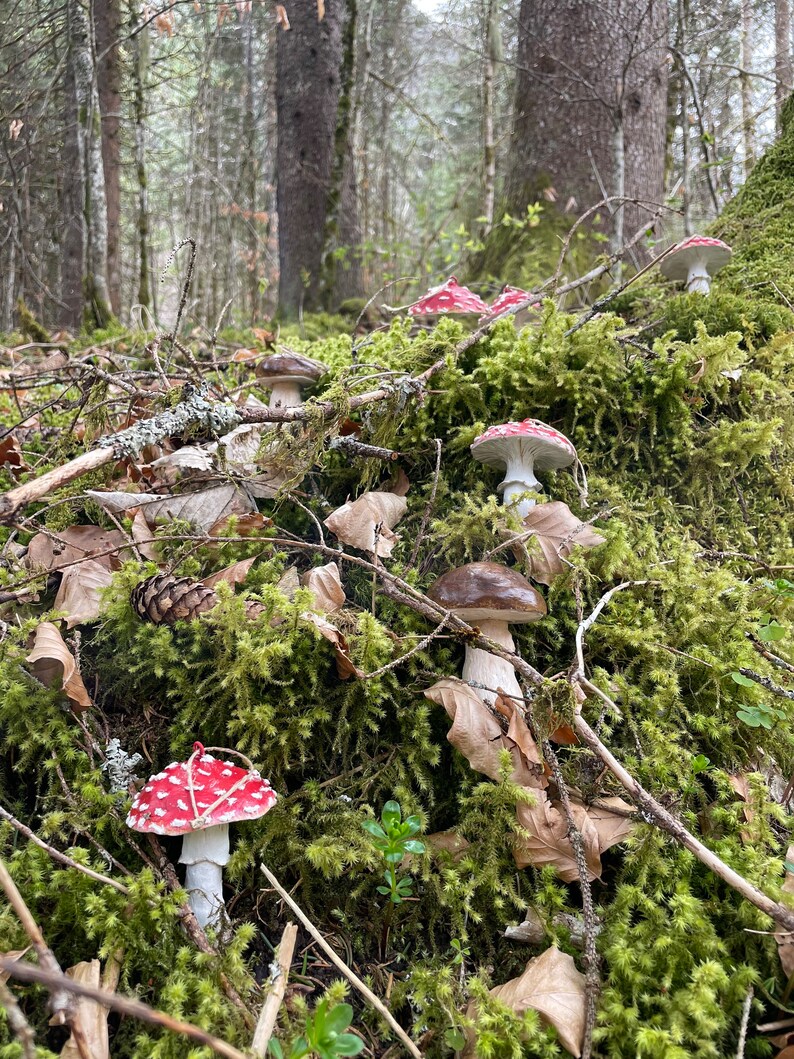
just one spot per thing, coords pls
(205, 852)
(698, 280)
(481, 667)
(285, 393)
(519, 478)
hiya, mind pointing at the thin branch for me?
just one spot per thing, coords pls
(20, 1026)
(279, 974)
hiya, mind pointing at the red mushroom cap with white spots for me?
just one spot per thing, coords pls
(712, 252)
(198, 793)
(449, 298)
(509, 297)
(550, 448)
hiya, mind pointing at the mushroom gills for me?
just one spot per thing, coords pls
(204, 853)
(490, 671)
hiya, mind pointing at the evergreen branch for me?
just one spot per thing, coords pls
(57, 983)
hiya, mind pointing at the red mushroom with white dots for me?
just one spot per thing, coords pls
(521, 449)
(508, 299)
(450, 299)
(695, 260)
(198, 799)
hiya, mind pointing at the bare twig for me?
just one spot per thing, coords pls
(357, 448)
(765, 682)
(748, 1001)
(20, 1026)
(278, 984)
(57, 983)
(431, 500)
(339, 963)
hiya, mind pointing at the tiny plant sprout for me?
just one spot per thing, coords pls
(324, 1035)
(521, 449)
(198, 799)
(694, 261)
(490, 597)
(393, 837)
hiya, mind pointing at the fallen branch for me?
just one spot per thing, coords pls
(57, 983)
(20, 1026)
(340, 964)
(278, 986)
(765, 682)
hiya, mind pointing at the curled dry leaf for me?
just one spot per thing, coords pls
(57, 550)
(12, 954)
(202, 508)
(281, 16)
(325, 584)
(143, 536)
(244, 525)
(611, 821)
(354, 523)
(289, 582)
(447, 842)
(182, 463)
(93, 1016)
(53, 664)
(232, 575)
(79, 592)
(556, 531)
(547, 841)
(11, 455)
(477, 734)
(552, 985)
(345, 666)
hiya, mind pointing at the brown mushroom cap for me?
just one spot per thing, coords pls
(486, 591)
(287, 365)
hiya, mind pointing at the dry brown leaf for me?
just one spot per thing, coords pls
(345, 666)
(785, 942)
(53, 664)
(12, 954)
(232, 575)
(564, 735)
(447, 842)
(612, 827)
(281, 16)
(93, 1016)
(143, 536)
(555, 989)
(320, 10)
(477, 734)
(354, 523)
(182, 463)
(787, 1053)
(325, 584)
(56, 550)
(78, 594)
(400, 483)
(547, 840)
(202, 508)
(289, 582)
(556, 530)
(245, 525)
(11, 455)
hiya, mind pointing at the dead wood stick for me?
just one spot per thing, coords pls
(57, 982)
(358, 448)
(15, 499)
(61, 1002)
(20, 1026)
(278, 986)
(340, 964)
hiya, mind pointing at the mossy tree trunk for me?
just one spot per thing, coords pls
(82, 60)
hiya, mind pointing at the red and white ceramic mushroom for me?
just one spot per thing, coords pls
(198, 799)
(450, 299)
(510, 297)
(521, 449)
(695, 260)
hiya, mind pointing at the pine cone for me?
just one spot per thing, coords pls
(164, 600)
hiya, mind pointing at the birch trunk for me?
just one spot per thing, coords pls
(746, 62)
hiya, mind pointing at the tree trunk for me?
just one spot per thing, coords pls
(585, 69)
(746, 62)
(89, 138)
(784, 79)
(107, 26)
(139, 53)
(308, 64)
(488, 142)
(71, 208)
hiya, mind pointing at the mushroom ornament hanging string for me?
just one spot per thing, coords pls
(198, 799)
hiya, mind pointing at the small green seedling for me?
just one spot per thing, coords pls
(460, 953)
(393, 837)
(700, 763)
(324, 1035)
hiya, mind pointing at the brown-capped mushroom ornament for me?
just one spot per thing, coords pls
(198, 799)
(286, 374)
(490, 597)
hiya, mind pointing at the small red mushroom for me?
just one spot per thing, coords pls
(199, 798)
(509, 297)
(450, 299)
(695, 260)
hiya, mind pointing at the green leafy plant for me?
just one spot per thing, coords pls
(324, 1035)
(700, 763)
(393, 837)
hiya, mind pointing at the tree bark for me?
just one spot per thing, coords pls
(71, 208)
(590, 71)
(82, 58)
(139, 49)
(746, 62)
(784, 78)
(488, 140)
(308, 65)
(107, 26)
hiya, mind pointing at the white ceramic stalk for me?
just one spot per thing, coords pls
(285, 393)
(481, 667)
(698, 280)
(519, 478)
(205, 852)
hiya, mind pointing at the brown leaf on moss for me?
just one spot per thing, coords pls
(245, 525)
(345, 666)
(552, 986)
(12, 954)
(477, 734)
(11, 455)
(79, 591)
(610, 821)
(556, 531)
(53, 664)
(232, 575)
(447, 842)
(547, 841)
(355, 522)
(325, 584)
(202, 508)
(55, 550)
